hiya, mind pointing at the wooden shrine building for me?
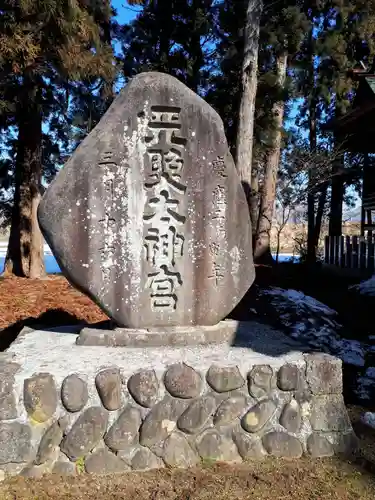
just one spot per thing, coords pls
(355, 131)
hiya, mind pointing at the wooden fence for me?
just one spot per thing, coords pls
(351, 252)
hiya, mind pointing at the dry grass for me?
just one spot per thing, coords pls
(272, 480)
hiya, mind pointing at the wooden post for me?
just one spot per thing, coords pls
(342, 256)
(326, 249)
(355, 252)
(370, 252)
(348, 252)
(337, 250)
(362, 253)
(365, 189)
(331, 250)
(369, 222)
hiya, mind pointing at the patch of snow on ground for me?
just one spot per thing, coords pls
(366, 287)
(303, 315)
(301, 300)
(369, 419)
(313, 322)
(364, 388)
(351, 352)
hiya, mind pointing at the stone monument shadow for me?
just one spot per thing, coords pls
(263, 339)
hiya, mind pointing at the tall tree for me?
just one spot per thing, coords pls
(46, 46)
(283, 25)
(173, 37)
(245, 132)
(225, 86)
(312, 90)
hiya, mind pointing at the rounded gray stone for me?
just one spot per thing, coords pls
(329, 413)
(34, 471)
(108, 384)
(161, 420)
(197, 415)
(288, 377)
(258, 416)
(40, 397)
(124, 431)
(213, 445)
(15, 442)
(64, 422)
(345, 443)
(260, 381)
(144, 459)
(8, 403)
(249, 446)
(48, 444)
(102, 461)
(144, 388)
(63, 468)
(224, 379)
(324, 374)
(178, 453)
(291, 417)
(318, 446)
(282, 445)
(229, 410)
(303, 394)
(74, 393)
(182, 381)
(85, 434)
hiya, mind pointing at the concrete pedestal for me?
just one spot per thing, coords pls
(66, 407)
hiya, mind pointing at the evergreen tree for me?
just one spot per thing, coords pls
(224, 86)
(340, 35)
(249, 83)
(46, 47)
(283, 26)
(174, 37)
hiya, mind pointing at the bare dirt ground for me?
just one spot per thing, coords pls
(271, 480)
(52, 301)
(22, 299)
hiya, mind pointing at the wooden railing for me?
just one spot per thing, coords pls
(351, 252)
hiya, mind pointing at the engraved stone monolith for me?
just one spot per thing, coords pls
(148, 217)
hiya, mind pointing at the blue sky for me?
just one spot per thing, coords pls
(125, 12)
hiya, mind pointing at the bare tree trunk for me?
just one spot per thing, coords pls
(337, 198)
(311, 250)
(253, 197)
(37, 269)
(262, 242)
(245, 132)
(278, 246)
(319, 216)
(25, 248)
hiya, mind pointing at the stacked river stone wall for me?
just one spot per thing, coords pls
(175, 418)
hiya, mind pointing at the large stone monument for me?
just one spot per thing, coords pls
(148, 217)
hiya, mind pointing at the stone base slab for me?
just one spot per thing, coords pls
(103, 335)
(66, 408)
